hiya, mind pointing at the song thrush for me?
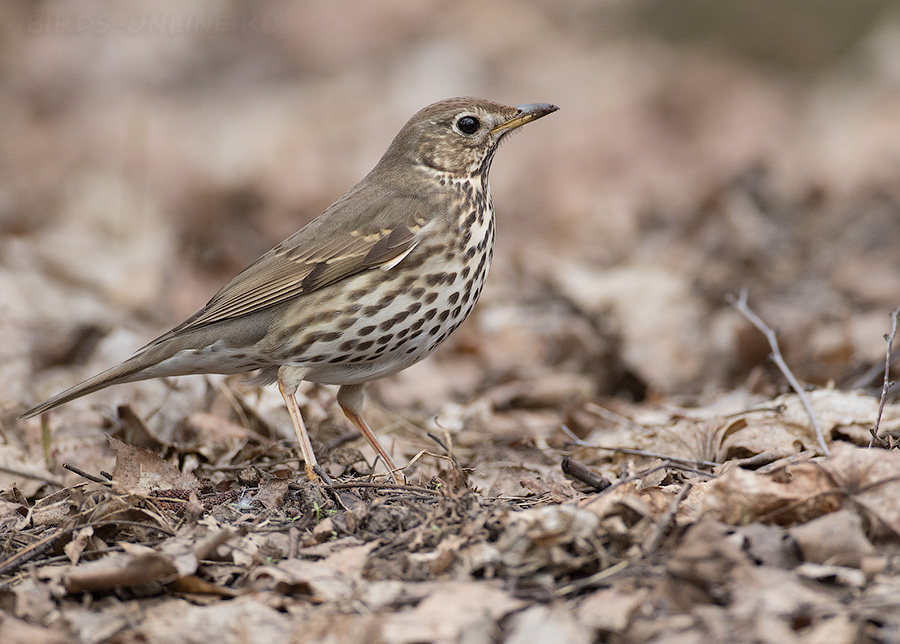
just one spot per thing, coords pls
(368, 288)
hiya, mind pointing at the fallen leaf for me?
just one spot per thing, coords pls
(548, 625)
(138, 470)
(610, 610)
(835, 538)
(453, 611)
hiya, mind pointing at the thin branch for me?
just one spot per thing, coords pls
(591, 581)
(889, 339)
(740, 304)
(636, 452)
(86, 475)
(384, 487)
(576, 470)
(30, 475)
(656, 468)
(665, 521)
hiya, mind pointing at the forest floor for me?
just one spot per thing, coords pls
(604, 452)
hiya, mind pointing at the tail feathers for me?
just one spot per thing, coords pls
(211, 349)
(135, 368)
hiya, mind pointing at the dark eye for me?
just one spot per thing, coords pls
(467, 124)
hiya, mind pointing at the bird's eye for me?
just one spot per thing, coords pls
(467, 124)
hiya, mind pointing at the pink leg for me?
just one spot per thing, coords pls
(350, 398)
(287, 392)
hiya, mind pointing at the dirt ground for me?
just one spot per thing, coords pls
(604, 452)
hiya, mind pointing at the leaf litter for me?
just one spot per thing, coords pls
(603, 452)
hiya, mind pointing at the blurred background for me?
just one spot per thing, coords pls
(151, 150)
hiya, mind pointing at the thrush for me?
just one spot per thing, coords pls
(371, 286)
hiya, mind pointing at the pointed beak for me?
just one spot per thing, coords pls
(527, 114)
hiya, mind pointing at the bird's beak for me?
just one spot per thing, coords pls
(527, 113)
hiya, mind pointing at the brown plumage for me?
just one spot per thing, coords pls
(368, 288)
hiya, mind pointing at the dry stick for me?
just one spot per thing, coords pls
(38, 548)
(576, 470)
(80, 472)
(591, 581)
(652, 470)
(666, 519)
(740, 304)
(28, 475)
(635, 452)
(384, 486)
(889, 339)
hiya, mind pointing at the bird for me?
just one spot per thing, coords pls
(366, 289)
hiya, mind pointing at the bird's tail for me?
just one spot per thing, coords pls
(149, 362)
(129, 371)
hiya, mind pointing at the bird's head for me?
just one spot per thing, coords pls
(458, 136)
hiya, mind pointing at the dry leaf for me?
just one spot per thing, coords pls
(870, 479)
(835, 538)
(548, 625)
(610, 610)
(453, 611)
(243, 619)
(796, 494)
(119, 571)
(140, 471)
(551, 538)
(76, 546)
(17, 631)
(330, 579)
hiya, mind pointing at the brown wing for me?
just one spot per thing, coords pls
(359, 232)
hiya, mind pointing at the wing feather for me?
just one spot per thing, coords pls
(354, 235)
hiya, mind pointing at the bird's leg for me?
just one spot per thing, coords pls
(350, 398)
(287, 385)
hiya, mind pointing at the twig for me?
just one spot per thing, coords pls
(889, 339)
(28, 475)
(38, 548)
(322, 474)
(32, 552)
(637, 452)
(80, 472)
(591, 581)
(645, 473)
(666, 519)
(740, 304)
(580, 472)
(384, 486)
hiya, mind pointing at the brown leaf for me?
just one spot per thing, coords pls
(216, 438)
(138, 470)
(76, 546)
(452, 611)
(835, 538)
(56, 507)
(17, 631)
(740, 496)
(871, 479)
(551, 538)
(704, 567)
(611, 610)
(331, 579)
(243, 619)
(119, 571)
(548, 625)
(134, 431)
(12, 515)
(271, 493)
